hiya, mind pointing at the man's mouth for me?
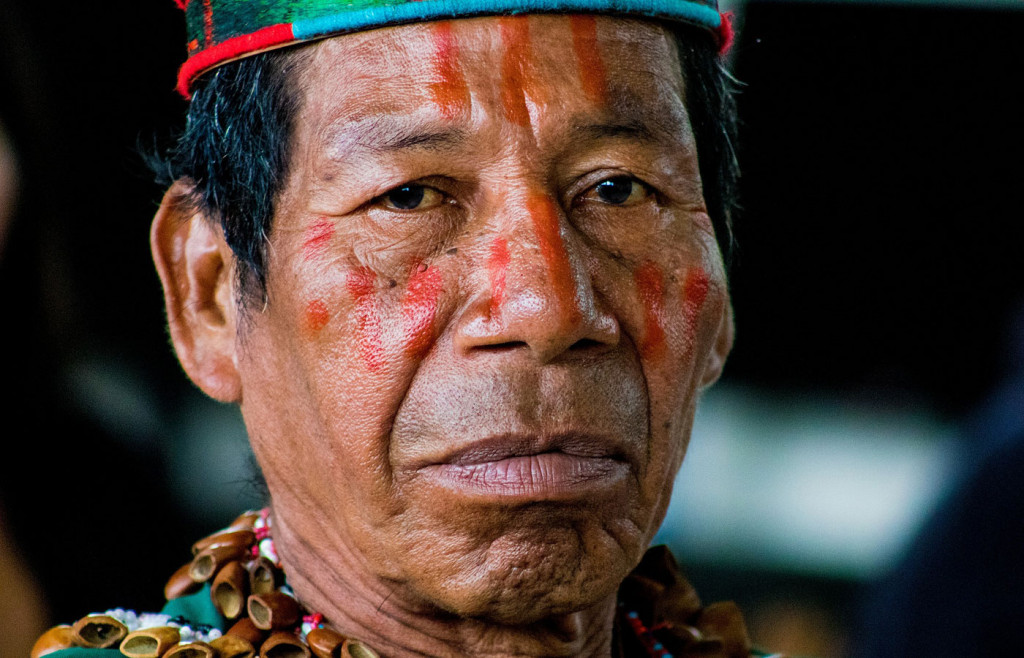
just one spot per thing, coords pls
(516, 468)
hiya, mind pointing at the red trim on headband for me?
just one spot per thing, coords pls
(726, 34)
(232, 48)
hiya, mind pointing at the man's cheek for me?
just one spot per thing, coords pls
(419, 311)
(384, 326)
(672, 314)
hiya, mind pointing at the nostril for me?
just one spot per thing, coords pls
(503, 347)
(587, 344)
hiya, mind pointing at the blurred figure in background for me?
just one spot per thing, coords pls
(959, 591)
(21, 602)
(76, 463)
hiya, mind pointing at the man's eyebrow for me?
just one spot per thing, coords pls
(599, 130)
(627, 120)
(390, 133)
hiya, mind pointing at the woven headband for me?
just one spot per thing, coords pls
(220, 31)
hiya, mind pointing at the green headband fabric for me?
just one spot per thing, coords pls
(220, 31)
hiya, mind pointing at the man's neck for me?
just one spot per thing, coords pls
(336, 584)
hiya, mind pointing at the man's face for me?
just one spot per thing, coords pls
(493, 295)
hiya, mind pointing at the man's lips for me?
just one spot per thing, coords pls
(513, 468)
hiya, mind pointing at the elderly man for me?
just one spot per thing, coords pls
(459, 264)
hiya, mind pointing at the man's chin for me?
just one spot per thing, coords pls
(522, 581)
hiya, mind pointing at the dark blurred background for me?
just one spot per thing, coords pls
(877, 287)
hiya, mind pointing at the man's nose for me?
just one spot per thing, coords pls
(539, 294)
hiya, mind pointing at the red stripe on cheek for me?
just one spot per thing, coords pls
(545, 223)
(695, 291)
(361, 285)
(497, 265)
(650, 284)
(318, 236)
(419, 308)
(317, 316)
(515, 36)
(450, 93)
(589, 63)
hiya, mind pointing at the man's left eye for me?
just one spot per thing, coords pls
(412, 197)
(621, 191)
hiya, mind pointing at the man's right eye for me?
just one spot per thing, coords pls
(412, 197)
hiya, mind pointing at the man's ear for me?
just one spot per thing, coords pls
(196, 268)
(723, 345)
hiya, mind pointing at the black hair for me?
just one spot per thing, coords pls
(234, 151)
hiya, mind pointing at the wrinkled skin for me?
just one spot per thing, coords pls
(448, 273)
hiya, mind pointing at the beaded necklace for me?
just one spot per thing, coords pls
(248, 588)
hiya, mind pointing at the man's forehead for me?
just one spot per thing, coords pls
(380, 89)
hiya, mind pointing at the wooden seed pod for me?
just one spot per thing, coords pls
(244, 521)
(325, 643)
(150, 642)
(99, 631)
(232, 538)
(232, 646)
(210, 560)
(181, 584)
(191, 650)
(245, 629)
(264, 577)
(356, 649)
(55, 639)
(273, 611)
(230, 589)
(282, 644)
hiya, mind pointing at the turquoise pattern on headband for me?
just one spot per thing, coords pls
(381, 13)
(224, 30)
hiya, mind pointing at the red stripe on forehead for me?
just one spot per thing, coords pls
(544, 214)
(450, 92)
(515, 36)
(589, 63)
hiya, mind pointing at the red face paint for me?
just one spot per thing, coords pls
(544, 214)
(361, 285)
(695, 291)
(418, 310)
(318, 236)
(589, 63)
(317, 316)
(515, 36)
(650, 284)
(497, 264)
(450, 92)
